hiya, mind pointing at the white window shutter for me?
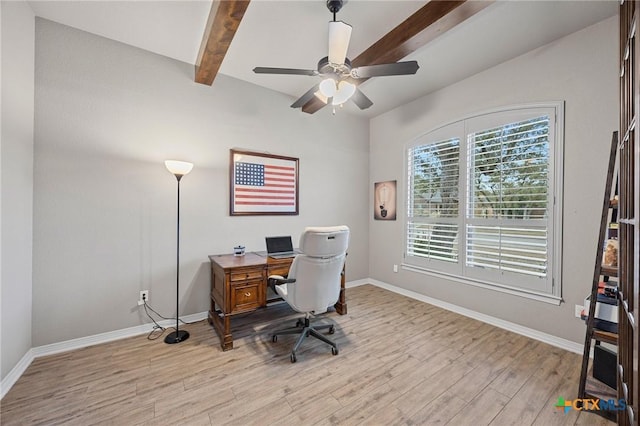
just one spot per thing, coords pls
(480, 197)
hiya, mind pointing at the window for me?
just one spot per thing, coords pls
(480, 201)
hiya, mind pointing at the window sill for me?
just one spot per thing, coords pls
(540, 297)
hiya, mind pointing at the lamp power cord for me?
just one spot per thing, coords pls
(157, 328)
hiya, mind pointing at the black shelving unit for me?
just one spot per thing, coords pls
(590, 386)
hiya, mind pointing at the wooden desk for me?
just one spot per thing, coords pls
(239, 285)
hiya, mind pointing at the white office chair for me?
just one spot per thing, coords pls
(313, 282)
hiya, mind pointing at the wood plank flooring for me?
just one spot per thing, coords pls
(401, 362)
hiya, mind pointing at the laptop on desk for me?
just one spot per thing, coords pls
(280, 247)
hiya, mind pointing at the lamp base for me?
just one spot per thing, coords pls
(176, 337)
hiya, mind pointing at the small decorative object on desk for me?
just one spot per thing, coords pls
(238, 250)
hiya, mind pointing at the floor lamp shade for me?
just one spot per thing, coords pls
(178, 169)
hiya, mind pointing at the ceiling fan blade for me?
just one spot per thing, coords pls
(398, 68)
(306, 97)
(361, 99)
(268, 70)
(339, 36)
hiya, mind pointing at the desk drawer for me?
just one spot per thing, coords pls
(253, 274)
(282, 270)
(246, 296)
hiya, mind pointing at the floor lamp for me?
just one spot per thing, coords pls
(179, 169)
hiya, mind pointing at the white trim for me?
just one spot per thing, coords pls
(83, 342)
(558, 202)
(357, 283)
(514, 107)
(110, 336)
(559, 342)
(7, 383)
(528, 294)
(16, 372)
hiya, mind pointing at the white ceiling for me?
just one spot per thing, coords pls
(293, 34)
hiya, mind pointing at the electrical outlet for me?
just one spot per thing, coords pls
(395, 268)
(578, 310)
(144, 297)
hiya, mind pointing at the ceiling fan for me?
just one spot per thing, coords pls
(339, 82)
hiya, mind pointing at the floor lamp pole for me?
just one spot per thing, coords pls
(178, 335)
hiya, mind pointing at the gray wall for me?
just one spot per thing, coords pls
(17, 181)
(580, 69)
(107, 116)
(16, 152)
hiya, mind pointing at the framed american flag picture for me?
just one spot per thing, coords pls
(262, 184)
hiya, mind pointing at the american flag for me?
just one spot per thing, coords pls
(264, 187)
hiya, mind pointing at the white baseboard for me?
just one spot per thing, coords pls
(54, 348)
(559, 342)
(15, 373)
(356, 283)
(83, 342)
(109, 336)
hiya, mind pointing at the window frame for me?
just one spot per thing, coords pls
(551, 291)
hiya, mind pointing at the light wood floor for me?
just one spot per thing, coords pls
(401, 362)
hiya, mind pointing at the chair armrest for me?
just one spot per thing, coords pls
(279, 279)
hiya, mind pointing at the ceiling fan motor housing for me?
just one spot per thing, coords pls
(325, 67)
(334, 6)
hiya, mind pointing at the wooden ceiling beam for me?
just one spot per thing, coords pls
(223, 22)
(430, 21)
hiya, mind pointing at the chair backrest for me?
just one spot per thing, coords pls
(318, 269)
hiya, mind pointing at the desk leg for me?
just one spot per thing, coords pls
(223, 328)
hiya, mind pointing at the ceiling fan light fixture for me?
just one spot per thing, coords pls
(322, 97)
(328, 87)
(344, 93)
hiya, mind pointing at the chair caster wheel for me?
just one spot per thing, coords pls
(332, 330)
(274, 338)
(293, 358)
(334, 351)
(299, 323)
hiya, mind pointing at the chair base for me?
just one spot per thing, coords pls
(305, 329)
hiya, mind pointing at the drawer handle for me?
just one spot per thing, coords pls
(247, 294)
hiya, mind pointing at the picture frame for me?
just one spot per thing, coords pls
(262, 184)
(384, 200)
